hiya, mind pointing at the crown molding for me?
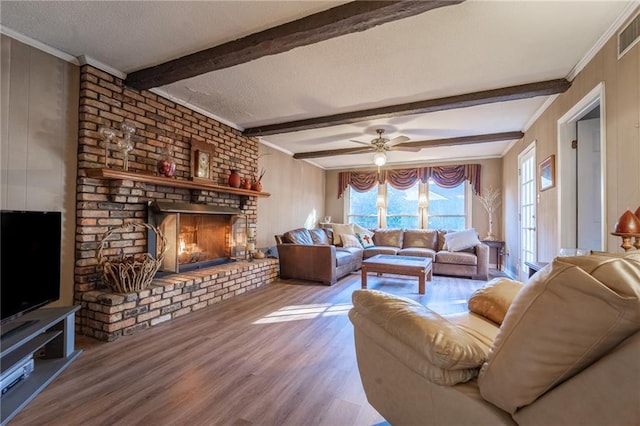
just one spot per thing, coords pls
(604, 38)
(38, 45)
(88, 60)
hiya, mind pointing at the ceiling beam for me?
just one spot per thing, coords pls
(523, 91)
(335, 22)
(461, 140)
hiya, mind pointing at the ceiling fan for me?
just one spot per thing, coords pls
(381, 144)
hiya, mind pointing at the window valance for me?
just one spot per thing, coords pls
(445, 176)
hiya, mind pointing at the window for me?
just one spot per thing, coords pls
(402, 207)
(426, 206)
(362, 207)
(446, 207)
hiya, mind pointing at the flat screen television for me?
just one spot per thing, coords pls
(30, 245)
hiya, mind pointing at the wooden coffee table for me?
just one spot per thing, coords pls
(401, 265)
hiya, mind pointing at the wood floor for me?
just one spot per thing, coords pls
(281, 355)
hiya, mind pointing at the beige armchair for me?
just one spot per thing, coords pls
(562, 350)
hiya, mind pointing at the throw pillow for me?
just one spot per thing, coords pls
(361, 230)
(365, 240)
(458, 241)
(339, 229)
(568, 315)
(493, 301)
(349, 240)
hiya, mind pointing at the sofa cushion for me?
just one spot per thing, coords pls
(456, 258)
(432, 336)
(493, 300)
(388, 237)
(349, 240)
(343, 257)
(341, 228)
(369, 252)
(457, 241)
(441, 240)
(567, 316)
(319, 236)
(298, 236)
(420, 252)
(420, 239)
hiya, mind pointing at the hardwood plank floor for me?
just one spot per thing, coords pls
(280, 355)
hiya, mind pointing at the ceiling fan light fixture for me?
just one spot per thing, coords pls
(379, 159)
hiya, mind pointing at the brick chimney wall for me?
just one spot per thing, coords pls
(103, 204)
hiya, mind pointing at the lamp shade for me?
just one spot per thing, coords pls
(379, 159)
(628, 224)
(638, 212)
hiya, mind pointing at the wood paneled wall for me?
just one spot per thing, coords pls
(39, 127)
(297, 195)
(621, 109)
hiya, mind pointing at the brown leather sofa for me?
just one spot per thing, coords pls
(472, 262)
(309, 254)
(562, 349)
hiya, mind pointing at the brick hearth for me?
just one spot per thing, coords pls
(109, 316)
(103, 204)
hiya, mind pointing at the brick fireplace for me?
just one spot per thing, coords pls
(104, 203)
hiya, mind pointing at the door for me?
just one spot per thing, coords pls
(527, 198)
(588, 209)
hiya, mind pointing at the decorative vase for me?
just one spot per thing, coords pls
(490, 236)
(246, 184)
(166, 164)
(256, 186)
(234, 179)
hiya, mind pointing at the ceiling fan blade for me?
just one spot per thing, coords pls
(331, 152)
(361, 143)
(397, 140)
(404, 148)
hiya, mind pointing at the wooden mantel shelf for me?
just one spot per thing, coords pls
(113, 174)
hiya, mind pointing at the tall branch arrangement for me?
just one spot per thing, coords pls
(491, 200)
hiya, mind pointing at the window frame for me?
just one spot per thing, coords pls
(423, 210)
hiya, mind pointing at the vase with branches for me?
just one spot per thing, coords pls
(491, 201)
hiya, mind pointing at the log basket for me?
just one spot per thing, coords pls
(127, 274)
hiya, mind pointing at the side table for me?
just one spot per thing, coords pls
(499, 246)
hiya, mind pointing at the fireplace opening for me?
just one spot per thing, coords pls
(198, 235)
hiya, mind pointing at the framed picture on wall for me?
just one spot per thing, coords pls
(547, 173)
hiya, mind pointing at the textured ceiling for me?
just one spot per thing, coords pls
(459, 49)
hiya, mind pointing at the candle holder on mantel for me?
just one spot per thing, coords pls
(124, 143)
(628, 227)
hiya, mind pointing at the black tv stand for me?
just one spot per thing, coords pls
(47, 334)
(14, 326)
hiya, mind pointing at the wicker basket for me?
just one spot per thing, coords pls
(127, 274)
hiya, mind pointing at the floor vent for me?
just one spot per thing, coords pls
(629, 36)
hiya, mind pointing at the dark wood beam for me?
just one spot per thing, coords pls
(461, 140)
(523, 91)
(335, 22)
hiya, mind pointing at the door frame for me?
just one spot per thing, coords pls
(565, 170)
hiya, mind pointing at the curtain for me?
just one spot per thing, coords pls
(360, 181)
(445, 176)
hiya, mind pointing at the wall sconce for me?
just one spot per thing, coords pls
(124, 143)
(380, 203)
(422, 201)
